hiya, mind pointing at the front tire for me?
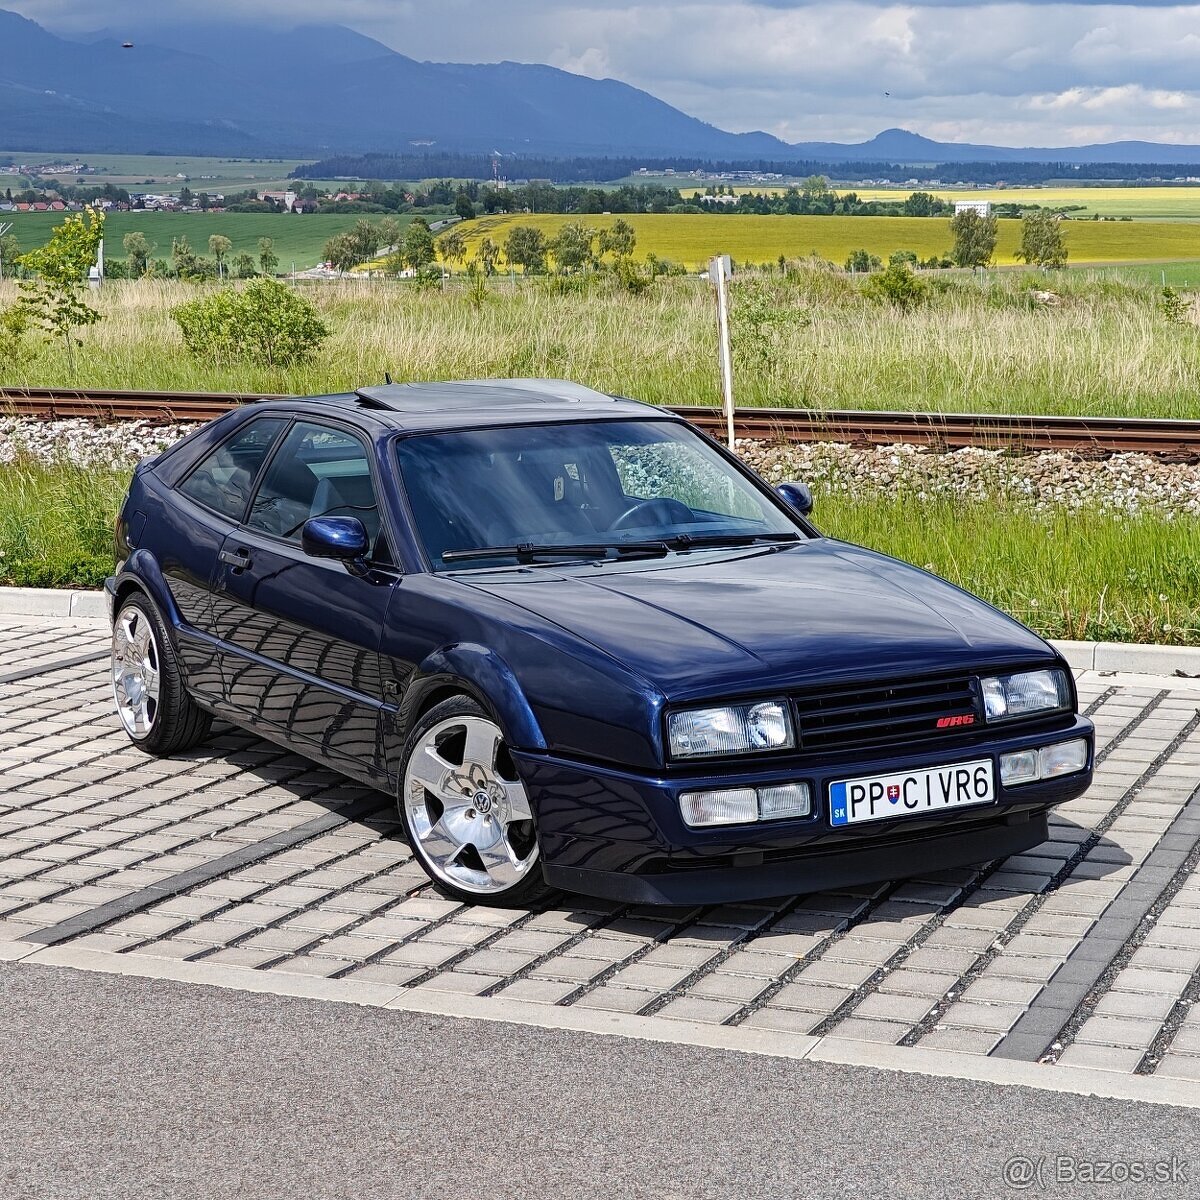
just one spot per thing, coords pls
(155, 709)
(466, 811)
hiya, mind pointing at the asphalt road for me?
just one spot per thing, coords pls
(123, 1087)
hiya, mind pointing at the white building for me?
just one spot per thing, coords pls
(982, 207)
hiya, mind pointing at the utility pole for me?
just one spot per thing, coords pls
(719, 271)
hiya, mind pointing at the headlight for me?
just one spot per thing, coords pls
(1007, 696)
(732, 729)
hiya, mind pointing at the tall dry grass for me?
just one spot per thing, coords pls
(1102, 346)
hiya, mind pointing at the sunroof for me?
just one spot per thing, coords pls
(479, 393)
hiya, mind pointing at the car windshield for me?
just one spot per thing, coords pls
(490, 497)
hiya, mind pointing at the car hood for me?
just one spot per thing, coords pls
(705, 624)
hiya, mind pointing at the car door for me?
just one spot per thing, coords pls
(186, 535)
(299, 635)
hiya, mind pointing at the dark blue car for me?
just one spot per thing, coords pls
(583, 646)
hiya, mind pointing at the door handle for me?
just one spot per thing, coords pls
(239, 560)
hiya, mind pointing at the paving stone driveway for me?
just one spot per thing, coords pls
(1085, 950)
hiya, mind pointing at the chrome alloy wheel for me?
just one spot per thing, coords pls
(468, 809)
(135, 671)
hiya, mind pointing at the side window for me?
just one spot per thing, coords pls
(674, 471)
(222, 480)
(318, 472)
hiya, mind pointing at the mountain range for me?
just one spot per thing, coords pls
(223, 88)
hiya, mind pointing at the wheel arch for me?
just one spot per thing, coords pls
(480, 673)
(141, 573)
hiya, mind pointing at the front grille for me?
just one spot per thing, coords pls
(858, 716)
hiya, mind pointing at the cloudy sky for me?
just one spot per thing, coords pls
(1012, 73)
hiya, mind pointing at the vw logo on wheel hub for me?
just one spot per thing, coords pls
(482, 802)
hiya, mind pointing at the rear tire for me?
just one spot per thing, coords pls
(157, 713)
(465, 810)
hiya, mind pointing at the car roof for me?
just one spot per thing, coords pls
(472, 403)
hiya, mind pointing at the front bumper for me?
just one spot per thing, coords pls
(619, 834)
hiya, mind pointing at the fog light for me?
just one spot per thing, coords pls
(1065, 758)
(786, 800)
(1024, 766)
(725, 806)
(1019, 767)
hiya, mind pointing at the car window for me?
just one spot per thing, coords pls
(221, 481)
(318, 471)
(578, 482)
(677, 471)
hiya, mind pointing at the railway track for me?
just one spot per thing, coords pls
(1095, 436)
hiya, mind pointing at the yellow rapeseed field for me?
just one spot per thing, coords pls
(1180, 202)
(691, 239)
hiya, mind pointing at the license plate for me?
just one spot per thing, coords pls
(910, 793)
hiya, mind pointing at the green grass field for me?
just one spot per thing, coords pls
(136, 170)
(298, 238)
(692, 239)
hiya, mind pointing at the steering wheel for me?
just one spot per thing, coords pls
(669, 510)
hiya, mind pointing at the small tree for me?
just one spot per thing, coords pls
(243, 267)
(1042, 243)
(265, 322)
(417, 249)
(137, 252)
(861, 262)
(975, 238)
(10, 251)
(219, 247)
(619, 240)
(54, 298)
(390, 233)
(463, 207)
(526, 247)
(268, 260)
(920, 204)
(341, 252)
(14, 323)
(452, 247)
(183, 257)
(487, 256)
(573, 249)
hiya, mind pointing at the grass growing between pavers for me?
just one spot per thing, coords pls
(1080, 574)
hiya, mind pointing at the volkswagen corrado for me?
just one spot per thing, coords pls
(582, 645)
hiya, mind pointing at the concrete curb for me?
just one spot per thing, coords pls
(946, 1064)
(51, 602)
(1128, 657)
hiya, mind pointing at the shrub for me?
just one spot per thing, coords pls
(265, 322)
(897, 285)
(14, 324)
(1171, 304)
(861, 262)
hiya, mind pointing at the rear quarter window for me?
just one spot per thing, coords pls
(221, 481)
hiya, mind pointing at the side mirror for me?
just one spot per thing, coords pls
(797, 496)
(343, 538)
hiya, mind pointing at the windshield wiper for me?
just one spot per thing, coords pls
(688, 541)
(529, 551)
